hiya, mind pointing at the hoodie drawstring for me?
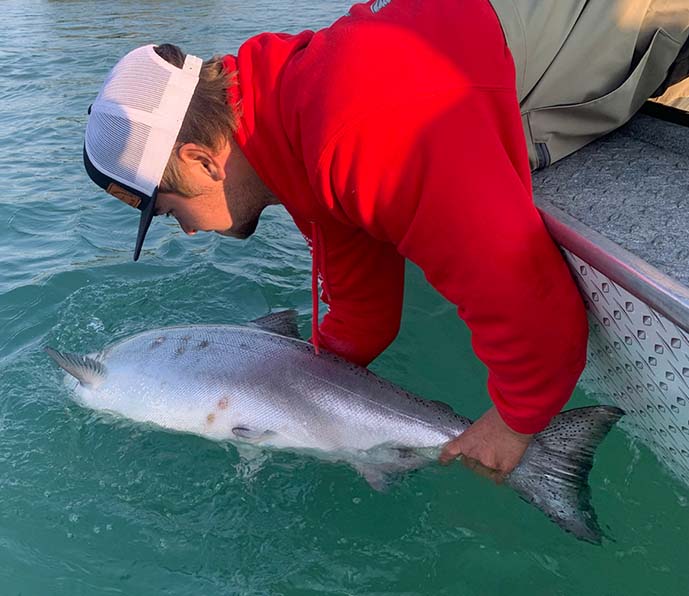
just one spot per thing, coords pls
(315, 247)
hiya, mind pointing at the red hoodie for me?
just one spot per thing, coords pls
(395, 133)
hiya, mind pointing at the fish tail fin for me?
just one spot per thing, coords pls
(553, 474)
(83, 368)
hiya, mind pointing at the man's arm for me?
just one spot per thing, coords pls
(362, 283)
(451, 190)
(482, 244)
(491, 255)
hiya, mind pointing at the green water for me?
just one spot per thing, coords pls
(91, 505)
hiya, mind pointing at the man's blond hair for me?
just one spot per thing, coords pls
(209, 121)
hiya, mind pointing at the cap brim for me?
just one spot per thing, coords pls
(145, 223)
(126, 194)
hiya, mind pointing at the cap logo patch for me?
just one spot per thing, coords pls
(124, 195)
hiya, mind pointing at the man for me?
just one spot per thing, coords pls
(397, 133)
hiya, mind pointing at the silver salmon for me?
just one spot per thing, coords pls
(262, 384)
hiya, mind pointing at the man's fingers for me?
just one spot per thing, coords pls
(449, 452)
(452, 451)
(476, 466)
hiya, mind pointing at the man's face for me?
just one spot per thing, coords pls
(207, 212)
(230, 199)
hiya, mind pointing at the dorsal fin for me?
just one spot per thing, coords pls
(282, 323)
(86, 370)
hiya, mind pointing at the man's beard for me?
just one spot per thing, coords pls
(247, 202)
(242, 232)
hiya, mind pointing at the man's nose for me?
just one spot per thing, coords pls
(187, 230)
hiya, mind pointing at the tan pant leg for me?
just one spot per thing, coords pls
(675, 90)
(584, 67)
(676, 96)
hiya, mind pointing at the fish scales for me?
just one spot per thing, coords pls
(263, 385)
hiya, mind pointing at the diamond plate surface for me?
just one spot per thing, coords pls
(639, 361)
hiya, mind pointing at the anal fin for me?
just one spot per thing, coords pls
(380, 472)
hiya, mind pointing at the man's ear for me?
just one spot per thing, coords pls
(200, 161)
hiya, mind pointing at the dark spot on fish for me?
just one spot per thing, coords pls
(157, 342)
(222, 404)
(210, 419)
(183, 346)
(204, 343)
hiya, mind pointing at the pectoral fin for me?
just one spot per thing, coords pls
(251, 434)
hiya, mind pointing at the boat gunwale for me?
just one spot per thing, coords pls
(641, 279)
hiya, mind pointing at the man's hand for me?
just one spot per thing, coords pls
(488, 446)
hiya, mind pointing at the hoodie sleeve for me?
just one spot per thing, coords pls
(362, 284)
(446, 182)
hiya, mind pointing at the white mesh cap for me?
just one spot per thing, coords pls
(135, 120)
